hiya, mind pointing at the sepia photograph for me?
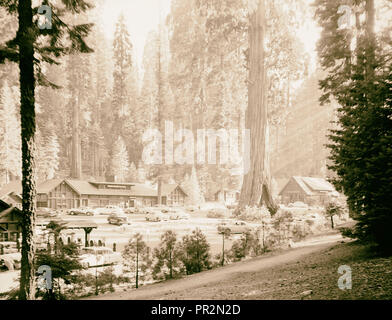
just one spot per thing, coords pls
(220, 152)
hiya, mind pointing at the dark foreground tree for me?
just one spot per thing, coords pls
(195, 252)
(64, 264)
(30, 48)
(358, 62)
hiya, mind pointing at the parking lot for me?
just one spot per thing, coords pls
(110, 234)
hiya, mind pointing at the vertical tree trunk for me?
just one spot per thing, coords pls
(160, 112)
(171, 264)
(256, 186)
(27, 112)
(223, 249)
(159, 189)
(137, 265)
(76, 168)
(370, 39)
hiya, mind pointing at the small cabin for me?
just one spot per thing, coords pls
(10, 222)
(228, 197)
(309, 190)
(173, 195)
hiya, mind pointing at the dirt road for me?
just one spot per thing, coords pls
(208, 278)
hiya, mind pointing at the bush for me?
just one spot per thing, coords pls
(299, 232)
(216, 213)
(347, 232)
(195, 252)
(253, 214)
(309, 222)
(248, 245)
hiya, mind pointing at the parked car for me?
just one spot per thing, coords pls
(46, 213)
(156, 217)
(110, 209)
(98, 256)
(118, 219)
(132, 210)
(176, 214)
(82, 211)
(147, 210)
(234, 227)
(10, 262)
(298, 204)
(192, 208)
(217, 213)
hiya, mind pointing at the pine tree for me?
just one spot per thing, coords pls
(48, 156)
(167, 263)
(137, 257)
(133, 173)
(192, 187)
(125, 95)
(10, 153)
(120, 161)
(359, 71)
(195, 252)
(21, 49)
(122, 48)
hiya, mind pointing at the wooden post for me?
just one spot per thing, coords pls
(87, 231)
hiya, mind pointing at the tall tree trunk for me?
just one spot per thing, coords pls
(137, 265)
(76, 168)
(27, 112)
(159, 189)
(370, 38)
(160, 113)
(256, 186)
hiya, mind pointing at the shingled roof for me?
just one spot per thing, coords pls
(311, 185)
(11, 187)
(91, 188)
(169, 188)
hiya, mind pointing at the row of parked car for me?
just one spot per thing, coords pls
(165, 213)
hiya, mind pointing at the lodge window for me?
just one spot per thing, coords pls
(4, 237)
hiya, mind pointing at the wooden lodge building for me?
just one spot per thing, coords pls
(308, 190)
(68, 193)
(10, 222)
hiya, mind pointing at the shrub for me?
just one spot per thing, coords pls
(253, 214)
(195, 252)
(347, 232)
(167, 263)
(248, 245)
(216, 213)
(298, 232)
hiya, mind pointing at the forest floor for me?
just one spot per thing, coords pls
(285, 274)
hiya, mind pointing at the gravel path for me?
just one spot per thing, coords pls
(175, 289)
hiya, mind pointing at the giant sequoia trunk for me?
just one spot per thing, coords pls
(27, 112)
(256, 186)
